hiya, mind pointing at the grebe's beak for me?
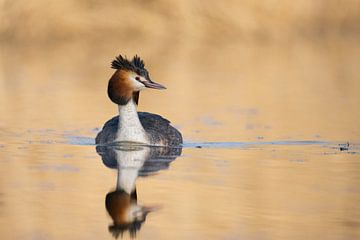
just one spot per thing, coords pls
(150, 84)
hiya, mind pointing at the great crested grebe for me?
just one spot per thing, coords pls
(124, 86)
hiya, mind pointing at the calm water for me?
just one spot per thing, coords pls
(265, 153)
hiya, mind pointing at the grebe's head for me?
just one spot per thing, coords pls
(130, 77)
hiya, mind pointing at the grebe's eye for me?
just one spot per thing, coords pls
(137, 78)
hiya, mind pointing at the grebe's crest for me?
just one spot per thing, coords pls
(136, 65)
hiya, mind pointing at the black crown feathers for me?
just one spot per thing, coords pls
(136, 64)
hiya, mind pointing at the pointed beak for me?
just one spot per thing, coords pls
(151, 84)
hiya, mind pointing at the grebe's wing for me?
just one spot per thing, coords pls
(108, 132)
(160, 130)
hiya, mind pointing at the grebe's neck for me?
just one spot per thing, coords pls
(130, 128)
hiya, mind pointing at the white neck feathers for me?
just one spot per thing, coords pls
(130, 128)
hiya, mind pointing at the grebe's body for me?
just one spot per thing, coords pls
(131, 126)
(158, 131)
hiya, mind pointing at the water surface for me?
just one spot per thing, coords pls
(271, 129)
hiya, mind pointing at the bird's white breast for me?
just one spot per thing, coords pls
(130, 128)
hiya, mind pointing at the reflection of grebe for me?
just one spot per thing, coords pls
(130, 126)
(131, 161)
(121, 204)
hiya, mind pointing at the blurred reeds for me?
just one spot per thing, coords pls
(206, 22)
